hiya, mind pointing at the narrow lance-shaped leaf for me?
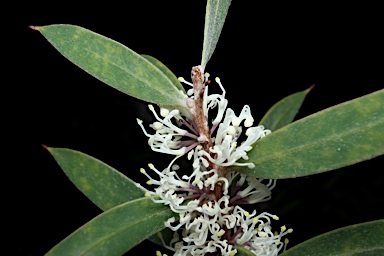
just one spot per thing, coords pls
(342, 135)
(113, 63)
(165, 70)
(115, 231)
(284, 111)
(360, 239)
(102, 184)
(215, 14)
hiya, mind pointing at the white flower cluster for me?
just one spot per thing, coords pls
(208, 225)
(210, 220)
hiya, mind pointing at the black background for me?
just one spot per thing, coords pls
(265, 52)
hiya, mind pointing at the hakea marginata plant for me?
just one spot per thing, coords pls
(211, 222)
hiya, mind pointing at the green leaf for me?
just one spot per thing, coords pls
(166, 234)
(165, 70)
(342, 135)
(360, 239)
(102, 184)
(284, 111)
(215, 14)
(241, 251)
(117, 230)
(114, 64)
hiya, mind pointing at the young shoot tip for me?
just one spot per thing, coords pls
(34, 27)
(45, 146)
(310, 88)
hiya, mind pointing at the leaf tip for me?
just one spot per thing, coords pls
(46, 147)
(310, 88)
(35, 27)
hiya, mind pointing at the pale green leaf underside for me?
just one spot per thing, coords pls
(357, 240)
(284, 111)
(339, 136)
(103, 185)
(216, 12)
(113, 63)
(115, 231)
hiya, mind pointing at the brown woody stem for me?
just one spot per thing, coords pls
(202, 123)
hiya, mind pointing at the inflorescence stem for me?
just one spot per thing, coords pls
(197, 109)
(199, 85)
